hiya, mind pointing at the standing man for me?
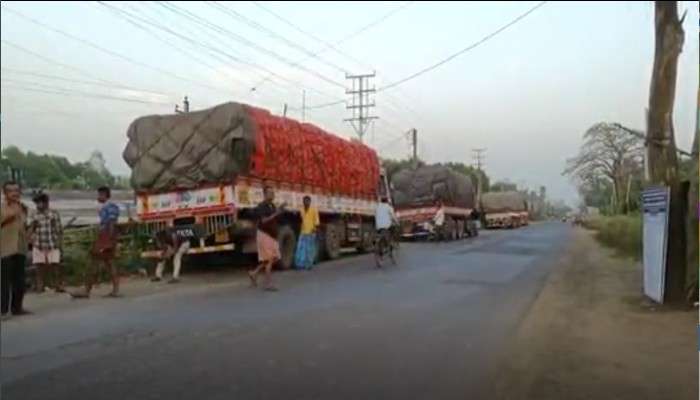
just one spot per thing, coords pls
(306, 247)
(47, 242)
(439, 219)
(172, 247)
(13, 250)
(266, 237)
(105, 247)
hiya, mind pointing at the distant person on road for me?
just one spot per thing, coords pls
(385, 219)
(439, 218)
(47, 242)
(306, 247)
(105, 247)
(13, 250)
(268, 249)
(172, 248)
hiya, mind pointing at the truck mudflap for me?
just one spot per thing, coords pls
(193, 250)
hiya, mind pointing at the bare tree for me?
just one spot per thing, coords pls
(610, 153)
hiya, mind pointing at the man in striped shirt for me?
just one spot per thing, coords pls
(47, 241)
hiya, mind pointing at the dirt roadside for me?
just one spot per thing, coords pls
(591, 334)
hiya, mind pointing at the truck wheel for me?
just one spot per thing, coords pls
(288, 244)
(331, 241)
(367, 242)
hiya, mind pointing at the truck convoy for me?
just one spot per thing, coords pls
(416, 193)
(504, 210)
(202, 173)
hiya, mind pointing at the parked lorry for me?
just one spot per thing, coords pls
(504, 209)
(203, 172)
(417, 193)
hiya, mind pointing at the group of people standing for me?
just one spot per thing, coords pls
(267, 216)
(42, 232)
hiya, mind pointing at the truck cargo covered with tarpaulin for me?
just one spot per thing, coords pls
(208, 168)
(417, 193)
(504, 209)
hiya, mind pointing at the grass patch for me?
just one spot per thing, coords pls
(623, 233)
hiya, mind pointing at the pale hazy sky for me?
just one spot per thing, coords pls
(527, 95)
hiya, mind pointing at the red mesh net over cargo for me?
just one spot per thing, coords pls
(293, 152)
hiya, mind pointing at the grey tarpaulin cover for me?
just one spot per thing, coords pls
(494, 202)
(425, 185)
(184, 150)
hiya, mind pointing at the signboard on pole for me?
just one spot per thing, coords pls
(655, 204)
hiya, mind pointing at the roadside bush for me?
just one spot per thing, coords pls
(620, 232)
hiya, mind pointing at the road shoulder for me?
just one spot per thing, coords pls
(591, 335)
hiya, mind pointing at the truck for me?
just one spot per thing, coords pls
(417, 192)
(504, 209)
(202, 173)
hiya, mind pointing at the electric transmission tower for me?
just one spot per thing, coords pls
(361, 103)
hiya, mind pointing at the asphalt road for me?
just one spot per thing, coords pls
(434, 327)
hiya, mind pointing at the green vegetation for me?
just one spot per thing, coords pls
(77, 245)
(620, 232)
(56, 172)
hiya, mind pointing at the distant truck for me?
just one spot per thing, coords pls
(416, 193)
(203, 172)
(504, 210)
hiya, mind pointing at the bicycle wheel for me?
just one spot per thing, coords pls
(379, 250)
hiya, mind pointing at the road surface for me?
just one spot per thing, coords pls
(434, 327)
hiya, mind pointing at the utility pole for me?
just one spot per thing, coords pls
(303, 106)
(478, 160)
(414, 145)
(284, 111)
(361, 103)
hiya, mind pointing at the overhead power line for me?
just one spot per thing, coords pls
(226, 32)
(464, 50)
(107, 51)
(343, 40)
(82, 81)
(40, 88)
(76, 69)
(261, 28)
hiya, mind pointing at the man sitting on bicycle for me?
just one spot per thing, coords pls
(385, 219)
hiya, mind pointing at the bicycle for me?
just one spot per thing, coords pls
(385, 246)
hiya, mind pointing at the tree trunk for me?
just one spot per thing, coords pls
(692, 220)
(663, 162)
(661, 147)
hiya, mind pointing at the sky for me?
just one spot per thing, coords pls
(527, 95)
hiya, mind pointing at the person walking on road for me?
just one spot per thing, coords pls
(47, 242)
(13, 250)
(105, 247)
(266, 237)
(172, 248)
(306, 247)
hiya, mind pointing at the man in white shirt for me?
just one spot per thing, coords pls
(384, 216)
(439, 218)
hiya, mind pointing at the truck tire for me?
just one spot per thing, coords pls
(367, 242)
(330, 243)
(287, 240)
